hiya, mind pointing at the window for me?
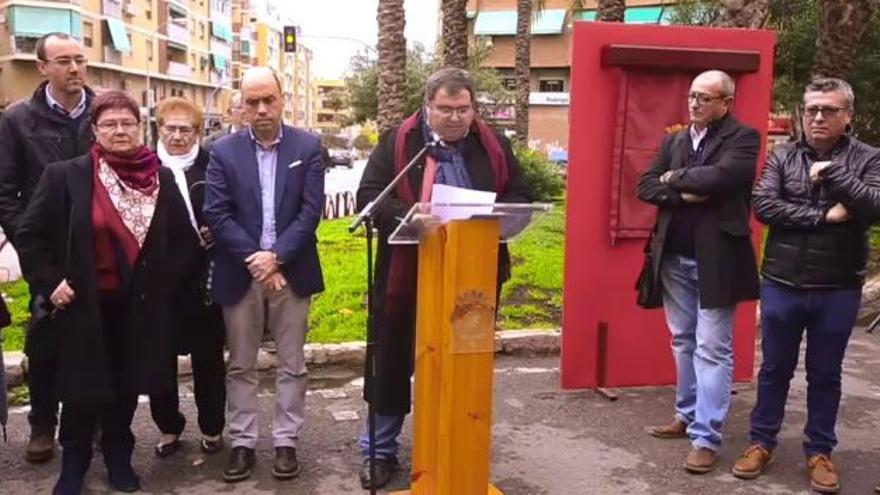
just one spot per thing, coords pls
(129, 40)
(149, 46)
(551, 86)
(88, 32)
(202, 30)
(509, 83)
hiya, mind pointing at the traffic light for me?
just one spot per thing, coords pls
(289, 39)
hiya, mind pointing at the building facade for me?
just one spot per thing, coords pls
(332, 110)
(494, 22)
(153, 49)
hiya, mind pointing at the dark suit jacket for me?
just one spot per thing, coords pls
(234, 211)
(726, 264)
(62, 207)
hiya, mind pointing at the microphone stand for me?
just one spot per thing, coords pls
(366, 218)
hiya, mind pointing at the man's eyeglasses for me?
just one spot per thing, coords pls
(830, 112)
(111, 126)
(702, 98)
(184, 130)
(447, 112)
(67, 61)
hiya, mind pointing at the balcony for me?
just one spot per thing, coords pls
(112, 55)
(177, 33)
(177, 69)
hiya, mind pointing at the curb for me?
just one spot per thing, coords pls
(346, 355)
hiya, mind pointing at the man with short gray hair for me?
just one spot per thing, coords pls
(819, 196)
(704, 262)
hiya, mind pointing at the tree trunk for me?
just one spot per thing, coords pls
(523, 44)
(610, 10)
(841, 25)
(392, 63)
(455, 36)
(750, 14)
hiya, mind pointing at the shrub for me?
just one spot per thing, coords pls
(542, 175)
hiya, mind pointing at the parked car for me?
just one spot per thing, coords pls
(342, 157)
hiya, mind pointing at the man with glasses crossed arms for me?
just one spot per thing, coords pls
(819, 196)
(52, 126)
(701, 182)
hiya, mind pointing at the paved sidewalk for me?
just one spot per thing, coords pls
(546, 441)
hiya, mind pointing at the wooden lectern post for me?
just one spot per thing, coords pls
(455, 343)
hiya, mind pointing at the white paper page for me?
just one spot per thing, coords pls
(459, 195)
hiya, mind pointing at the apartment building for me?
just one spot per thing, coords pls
(332, 110)
(494, 22)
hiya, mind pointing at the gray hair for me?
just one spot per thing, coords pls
(728, 86)
(829, 84)
(452, 80)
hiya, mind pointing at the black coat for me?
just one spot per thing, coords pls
(395, 335)
(32, 135)
(62, 203)
(191, 318)
(726, 265)
(802, 250)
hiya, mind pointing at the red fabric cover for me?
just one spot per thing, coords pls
(650, 105)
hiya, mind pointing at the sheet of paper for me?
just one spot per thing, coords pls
(443, 194)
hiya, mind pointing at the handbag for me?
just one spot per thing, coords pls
(650, 290)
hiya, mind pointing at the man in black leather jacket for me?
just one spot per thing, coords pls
(819, 196)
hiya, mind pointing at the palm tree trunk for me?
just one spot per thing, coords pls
(750, 14)
(523, 49)
(392, 63)
(841, 25)
(610, 10)
(455, 36)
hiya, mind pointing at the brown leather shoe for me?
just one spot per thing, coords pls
(823, 476)
(676, 429)
(41, 446)
(700, 460)
(752, 463)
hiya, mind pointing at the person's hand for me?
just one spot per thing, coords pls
(425, 223)
(62, 295)
(262, 264)
(664, 179)
(274, 282)
(816, 171)
(693, 198)
(837, 214)
(207, 237)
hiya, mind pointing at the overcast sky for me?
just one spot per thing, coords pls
(322, 20)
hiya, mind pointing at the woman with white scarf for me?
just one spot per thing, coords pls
(197, 323)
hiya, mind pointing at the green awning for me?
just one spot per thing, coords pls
(180, 10)
(34, 22)
(503, 22)
(219, 62)
(634, 15)
(221, 31)
(176, 45)
(118, 35)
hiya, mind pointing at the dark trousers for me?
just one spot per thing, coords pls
(41, 387)
(828, 317)
(209, 379)
(78, 420)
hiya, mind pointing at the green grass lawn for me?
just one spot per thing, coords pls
(531, 299)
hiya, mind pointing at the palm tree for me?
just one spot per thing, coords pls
(841, 25)
(750, 14)
(523, 62)
(455, 35)
(609, 10)
(392, 63)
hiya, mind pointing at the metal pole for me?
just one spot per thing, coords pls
(371, 357)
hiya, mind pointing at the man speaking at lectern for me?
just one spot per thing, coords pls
(463, 152)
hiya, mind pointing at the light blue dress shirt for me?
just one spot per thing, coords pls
(267, 161)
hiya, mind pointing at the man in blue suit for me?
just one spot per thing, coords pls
(263, 200)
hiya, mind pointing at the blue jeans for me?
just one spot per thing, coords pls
(387, 430)
(703, 352)
(828, 316)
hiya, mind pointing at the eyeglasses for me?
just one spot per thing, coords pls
(830, 112)
(702, 98)
(111, 126)
(447, 112)
(67, 61)
(184, 130)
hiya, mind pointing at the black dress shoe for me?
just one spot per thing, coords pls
(286, 465)
(385, 469)
(212, 446)
(124, 479)
(241, 464)
(167, 449)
